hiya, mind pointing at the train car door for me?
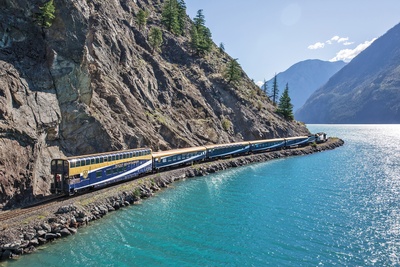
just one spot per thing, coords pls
(60, 172)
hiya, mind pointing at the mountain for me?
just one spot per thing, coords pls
(304, 78)
(91, 82)
(366, 90)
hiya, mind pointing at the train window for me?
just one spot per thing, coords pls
(83, 163)
(101, 160)
(109, 158)
(108, 172)
(78, 163)
(113, 157)
(92, 161)
(97, 160)
(131, 155)
(88, 162)
(164, 160)
(72, 164)
(99, 174)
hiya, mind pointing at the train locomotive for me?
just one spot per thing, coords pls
(77, 174)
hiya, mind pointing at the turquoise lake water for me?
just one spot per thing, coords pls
(340, 207)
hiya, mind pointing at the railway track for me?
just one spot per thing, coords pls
(13, 214)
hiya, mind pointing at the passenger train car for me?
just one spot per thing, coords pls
(75, 174)
(79, 173)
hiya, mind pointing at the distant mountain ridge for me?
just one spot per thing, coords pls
(305, 77)
(367, 90)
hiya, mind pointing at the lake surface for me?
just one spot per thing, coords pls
(340, 207)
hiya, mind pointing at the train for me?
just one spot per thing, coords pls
(73, 175)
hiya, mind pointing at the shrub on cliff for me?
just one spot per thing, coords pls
(46, 14)
(155, 39)
(233, 71)
(142, 18)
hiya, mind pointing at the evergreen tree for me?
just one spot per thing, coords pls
(199, 20)
(46, 15)
(203, 42)
(285, 107)
(155, 39)
(275, 91)
(221, 47)
(233, 71)
(142, 18)
(181, 16)
(170, 16)
(194, 39)
(265, 87)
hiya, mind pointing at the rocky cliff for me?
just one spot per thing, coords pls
(366, 90)
(91, 83)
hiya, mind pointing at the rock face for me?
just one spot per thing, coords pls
(91, 83)
(304, 78)
(367, 90)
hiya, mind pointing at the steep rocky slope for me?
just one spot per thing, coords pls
(367, 90)
(304, 78)
(90, 83)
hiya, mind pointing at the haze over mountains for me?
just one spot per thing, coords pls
(304, 78)
(366, 90)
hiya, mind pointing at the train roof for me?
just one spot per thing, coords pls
(267, 140)
(296, 137)
(178, 151)
(227, 145)
(106, 153)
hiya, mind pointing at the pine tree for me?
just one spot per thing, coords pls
(265, 87)
(46, 16)
(194, 39)
(155, 39)
(285, 107)
(170, 16)
(233, 71)
(181, 16)
(221, 47)
(275, 91)
(203, 42)
(142, 18)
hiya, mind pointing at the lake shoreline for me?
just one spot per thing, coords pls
(24, 234)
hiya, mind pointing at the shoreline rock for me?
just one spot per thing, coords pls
(65, 219)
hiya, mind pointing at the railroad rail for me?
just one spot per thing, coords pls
(11, 214)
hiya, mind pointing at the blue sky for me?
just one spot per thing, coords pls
(269, 36)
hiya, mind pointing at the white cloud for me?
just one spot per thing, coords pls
(348, 54)
(342, 40)
(335, 39)
(348, 43)
(317, 45)
(260, 83)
